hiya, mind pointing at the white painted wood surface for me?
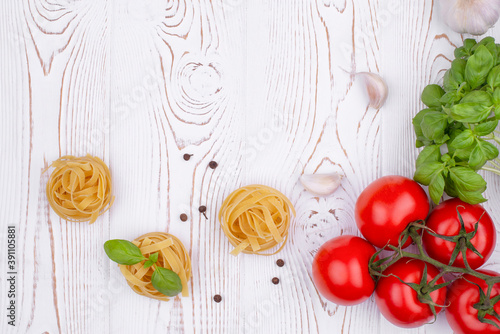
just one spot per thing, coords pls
(265, 88)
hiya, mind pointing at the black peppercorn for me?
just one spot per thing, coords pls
(202, 209)
(187, 156)
(184, 217)
(275, 280)
(280, 263)
(217, 298)
(213, 165)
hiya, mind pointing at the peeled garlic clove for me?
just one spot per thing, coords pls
(470, 16)
(321, 184)
(376, 88)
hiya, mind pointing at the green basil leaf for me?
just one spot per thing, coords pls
(436, 187)
(469, 44)
(478, 66)
(450, 187)
(431, 153)
(426, 172)
(450, 83)
(154, 257)
(418, 129)
(483, 152)
(484, 129)
(466, 184)
(123, 252)
(166, 282)
(472, 197)
(431, 96)
(148, 263)
(458, 69)
(475, 107)
(494, 77)
(496, 96)
(478, 97)
(434, 125)
(467, 180)
(463, 154)
(461, 52)
(463, 140)
(450, 98)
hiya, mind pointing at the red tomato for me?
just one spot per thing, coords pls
(461, 297)
(399, 303)
(340, 270)
(387, 206)
(444, 220)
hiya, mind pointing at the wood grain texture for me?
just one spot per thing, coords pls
(265, 88)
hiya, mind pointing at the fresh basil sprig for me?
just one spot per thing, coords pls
(458, 129)
(124, 252)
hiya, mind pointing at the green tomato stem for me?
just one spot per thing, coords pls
(417, 238)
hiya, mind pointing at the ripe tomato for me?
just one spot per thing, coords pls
(461, 297)
(444, 220)
(340, 270)
(398, 302)
(387, 206)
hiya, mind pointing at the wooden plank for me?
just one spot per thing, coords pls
(57, 79)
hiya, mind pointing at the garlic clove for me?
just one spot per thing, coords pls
(470, 16)
(321, 184)
(376, 88)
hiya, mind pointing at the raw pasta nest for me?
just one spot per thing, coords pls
(79, 189)
(171, 255)
(256, 218)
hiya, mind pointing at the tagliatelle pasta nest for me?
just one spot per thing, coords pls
(256, 218)
(79, 189)
(171, 255)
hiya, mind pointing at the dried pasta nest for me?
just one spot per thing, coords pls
(171, 255)
(79, 188)
(256, 218)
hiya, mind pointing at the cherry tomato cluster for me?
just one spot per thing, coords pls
(410, 289)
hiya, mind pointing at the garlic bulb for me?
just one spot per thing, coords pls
(321, 184)
(470, 16)
(376, 89)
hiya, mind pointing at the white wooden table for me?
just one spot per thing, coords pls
(265, 88)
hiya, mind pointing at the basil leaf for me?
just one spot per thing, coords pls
(469, 44)
(418, 129)
(436, 187)
(431, 95)
(486, 128)
(483, 152)
(148, 263)
(494, 77)
(123, 252)
(450, 83)
(496, 96)
(154, 257)
(463, 154)
(166, 282)
(458, 69)
(473, 108)
(467, 180)
(434, 125)
(478, 66)
(463, 140)
(461, 52)
(431, 153)
(426, 172)
(450, 98)
(450, 187)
